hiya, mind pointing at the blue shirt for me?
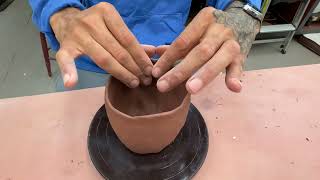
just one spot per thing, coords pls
(154, 22)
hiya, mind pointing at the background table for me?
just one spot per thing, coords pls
(271, 131)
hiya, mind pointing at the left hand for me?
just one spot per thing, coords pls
(212, 42)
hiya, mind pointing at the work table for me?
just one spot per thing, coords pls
(270, 131)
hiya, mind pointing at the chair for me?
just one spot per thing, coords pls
(45, 51)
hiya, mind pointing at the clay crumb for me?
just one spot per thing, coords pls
(71, 161)
(234, 137)
(274, 109)
(313, 126)
(292, 162)
(217, 118)
(307, 139)
(266, 127)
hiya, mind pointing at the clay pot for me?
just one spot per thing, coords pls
(145, 120)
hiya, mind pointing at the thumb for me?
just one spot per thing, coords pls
(65, 59)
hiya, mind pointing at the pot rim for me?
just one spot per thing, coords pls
(107, 101)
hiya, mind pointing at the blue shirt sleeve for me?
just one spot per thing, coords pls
(223, 4)
(219, 4)
(44, 9)
(256, 3)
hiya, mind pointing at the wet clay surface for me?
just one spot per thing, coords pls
(268, 132)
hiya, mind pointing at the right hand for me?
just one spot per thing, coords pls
(100, 33)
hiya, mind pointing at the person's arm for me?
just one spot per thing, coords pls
(42, 12)
(98, 32)
(214, 41)
(244, 26)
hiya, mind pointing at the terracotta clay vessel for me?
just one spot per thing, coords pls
(145, 120)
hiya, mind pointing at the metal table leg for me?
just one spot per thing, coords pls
(296, 21)
(291, 28)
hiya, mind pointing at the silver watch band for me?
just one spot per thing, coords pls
(253, 12)
(250, 10)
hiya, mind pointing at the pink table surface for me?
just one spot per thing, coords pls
(271, 131)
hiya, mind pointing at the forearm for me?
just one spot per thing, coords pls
(42, 12)
(244, 26)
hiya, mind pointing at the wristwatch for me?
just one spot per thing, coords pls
(252, 11)
(251, 7)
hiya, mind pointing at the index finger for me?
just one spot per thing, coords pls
(107, 62)
(125, 37)
(189, 38)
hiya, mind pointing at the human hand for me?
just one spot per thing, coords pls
(212, 42)
(100, 33)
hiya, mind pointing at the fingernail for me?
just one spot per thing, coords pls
(66, 78)
(163, 85)
(148, 71)
(134, 83)
(195, 85)
(156, 72)
(237, 81)
(147, 81)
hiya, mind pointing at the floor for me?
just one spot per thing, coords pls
(23, 72)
